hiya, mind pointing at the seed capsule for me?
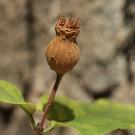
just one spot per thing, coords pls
(62, 52)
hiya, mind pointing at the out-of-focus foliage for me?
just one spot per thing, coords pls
(95, 118)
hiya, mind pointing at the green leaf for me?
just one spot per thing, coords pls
(9, 93)
(94, 118)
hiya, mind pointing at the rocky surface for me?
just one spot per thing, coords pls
(107, 43)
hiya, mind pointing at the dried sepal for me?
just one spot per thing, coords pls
(67, 27)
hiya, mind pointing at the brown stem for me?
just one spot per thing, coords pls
(49, 103)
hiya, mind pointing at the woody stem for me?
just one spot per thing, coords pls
(50, 101)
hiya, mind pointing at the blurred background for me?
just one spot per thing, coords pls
(106, 68)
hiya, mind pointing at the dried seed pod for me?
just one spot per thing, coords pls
(62, 52)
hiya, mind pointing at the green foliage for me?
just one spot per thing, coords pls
(9, 93)
(94, 118)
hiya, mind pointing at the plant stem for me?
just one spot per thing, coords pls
(49, 103)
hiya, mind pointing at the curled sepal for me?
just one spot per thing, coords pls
(67, 27)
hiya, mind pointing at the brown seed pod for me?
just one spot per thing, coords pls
(62, 52)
